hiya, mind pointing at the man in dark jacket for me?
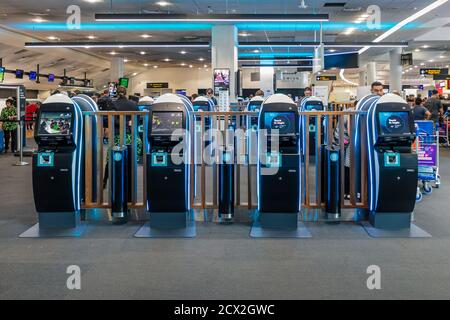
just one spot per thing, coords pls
(434, 105)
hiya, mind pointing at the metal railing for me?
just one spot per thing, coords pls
(204, 176)
(337, 127)
(128, 125)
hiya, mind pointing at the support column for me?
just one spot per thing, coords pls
(266, 80)
(363, 78)
(395, 70)
(304, 80)
(225, 53)
(371, 72)
(117, 69)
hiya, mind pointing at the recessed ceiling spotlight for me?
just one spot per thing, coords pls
(183, 52)
(163, 3)
(135, 74)
(349, 31)
(91, 37)
(155, 67)
(183, 64)
(113, 53)
(126, 60)
(39, 20)
(442, 57)
(142, 52)
(146, 36)
(145, 64)
(447, 66)
(205, 66)
(191, 66)
(431, 60)
(167, 60)
(201, 59)
(422, 63)
(417, 50)
(416, 67)
(425, 46)
(52, 38)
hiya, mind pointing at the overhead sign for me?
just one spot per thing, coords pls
(158, 85)
(326, 78)
(441, 77)
(433, 71)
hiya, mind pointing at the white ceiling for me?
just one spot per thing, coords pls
(15, 14)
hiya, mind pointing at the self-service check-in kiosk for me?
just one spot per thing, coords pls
(311, 104)
(393, 166)
(57, 168)
(254, 105)
(279, 170)
(145, 103)
(168, 173)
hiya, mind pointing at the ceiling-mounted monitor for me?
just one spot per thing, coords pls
(342, 61)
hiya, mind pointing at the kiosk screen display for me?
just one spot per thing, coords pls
(166, 122)
(282, 121)
(314, 105)
(396, 123)
(55, 123)
(2, 74)
(254, 105)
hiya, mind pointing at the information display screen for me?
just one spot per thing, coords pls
(394, 123)
(55, 123)
(221, 80)
(164, 123)
(2, 74)
(123, 82)
(32, 76)
(282, 121)
(51, 77)
(19, 74)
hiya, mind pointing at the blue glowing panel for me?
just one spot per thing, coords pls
(282, 121)
(394, 123)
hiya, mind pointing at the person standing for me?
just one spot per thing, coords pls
(420, 112)
(434, 105)
(210, 95)
(9, 125)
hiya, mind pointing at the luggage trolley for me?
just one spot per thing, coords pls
(427, 147)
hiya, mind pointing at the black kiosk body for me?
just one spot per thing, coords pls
(279, 173)
(57, 168)
(168, 166)
(393, 167)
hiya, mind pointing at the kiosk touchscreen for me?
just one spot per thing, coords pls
(57, 163)
(393, 166)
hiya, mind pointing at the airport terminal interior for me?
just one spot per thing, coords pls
(224, 149)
